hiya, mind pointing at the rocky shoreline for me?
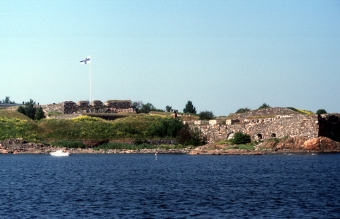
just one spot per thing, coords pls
(295, 145)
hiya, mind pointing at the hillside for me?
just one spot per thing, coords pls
(16, 125)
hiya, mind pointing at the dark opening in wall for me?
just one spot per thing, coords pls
(259, 136)
(273, 135)
(329, 126)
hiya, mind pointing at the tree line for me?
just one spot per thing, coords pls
(189, 108)
(31, 110)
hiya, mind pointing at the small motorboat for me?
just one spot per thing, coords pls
(60, 153)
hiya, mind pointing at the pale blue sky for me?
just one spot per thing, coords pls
(221, 55)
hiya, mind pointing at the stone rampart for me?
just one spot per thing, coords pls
(119, 104)
(262, 124)
(96, 106)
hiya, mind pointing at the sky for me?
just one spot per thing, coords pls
(222, 55)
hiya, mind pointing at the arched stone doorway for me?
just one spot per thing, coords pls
(258, 136)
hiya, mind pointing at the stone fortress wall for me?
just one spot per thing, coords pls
(96, 106)
(270, 123)
(265, 123)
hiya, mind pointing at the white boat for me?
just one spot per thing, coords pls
(60, 153)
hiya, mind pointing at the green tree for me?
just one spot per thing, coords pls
(206, 115)
(168, 108)
(321, 111)
(240, 138)
(188, 136)
(264, 106)
(7, 100)
(30, 110)
(39, 113)
(189, 108)
(146, 108)
(137, 105)
(243, 110)
(21, 110)
(167, 127)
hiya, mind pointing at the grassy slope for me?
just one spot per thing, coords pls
(16, 125)
(92, 128)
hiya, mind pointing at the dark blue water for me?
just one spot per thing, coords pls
(173, 186)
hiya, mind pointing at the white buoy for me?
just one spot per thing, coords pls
(156, 156)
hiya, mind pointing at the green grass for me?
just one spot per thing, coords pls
(69, 144)
(127, 146)
(243, 147)
(249, 146)
(54, 113)
(301, 111)
(16, 125)
(14, 114)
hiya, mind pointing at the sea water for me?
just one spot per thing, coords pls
(170, 186)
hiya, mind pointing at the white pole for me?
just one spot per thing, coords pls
(90, 79)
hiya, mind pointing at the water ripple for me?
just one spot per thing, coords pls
(174, 186)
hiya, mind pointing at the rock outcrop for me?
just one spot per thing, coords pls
(323, 144)
(303, 144)
(20, 146)
(291, 145)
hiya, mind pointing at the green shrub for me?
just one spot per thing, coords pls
(126, 146)
(321, 111)
(29, 110)
(240, 138)
(206, 115)
(165, 127)
(189, 108)
(243, 110)
(69, 144)
(263, 106)
(187, 136)
(39, 113)
(16, 125)
(139, 140)
(54, 113)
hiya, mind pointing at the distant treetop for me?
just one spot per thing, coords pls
(243, 110)
(7, 100)
(264, 106)
(321, 111)
(206, 115)
(189, 108)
